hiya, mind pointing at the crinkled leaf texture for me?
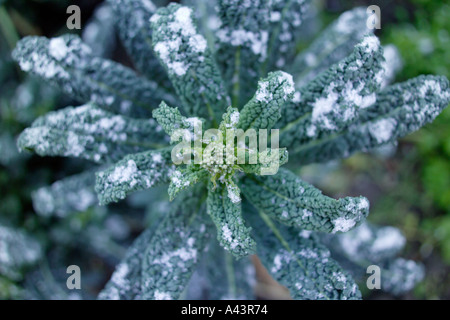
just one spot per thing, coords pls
(372, 245)
(298, 260)
(159, 264)
(340, 103)
(291, 201)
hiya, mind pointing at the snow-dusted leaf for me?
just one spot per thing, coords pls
(175, 249)
(72, 194)
(372, 245)
(400, 110)
(294, 202)
(264, 109)
(125, 282)
(332, 45)
(207, 18)
(188, 60)
(17, 250)
(99, 33)
(368, 243)
(221, 277)
(401, 275)
(297, 260)
(133, 173)
(286, 22)
(184, 178)
(171, 120)
(132, 23)
(69, 64)
(331, 102)
(225, 212)
(242, 41)
(90, 133)
(268, 162)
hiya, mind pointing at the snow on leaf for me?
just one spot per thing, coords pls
(291, 201)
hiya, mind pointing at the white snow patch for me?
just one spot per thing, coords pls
(58, 48)
(159, 295)
(343, 224)
(382, 130)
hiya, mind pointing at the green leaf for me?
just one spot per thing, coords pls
(171, 119)
(72, 194)
(400, 276)
(125, 282)
(185, 55)
(368, 243)
(90, 133)
(132, 23)
(232, 233)
(264, 109)
(221, 277)
(286, 26)
(242, 45)
(99, 33)
(268, 162)
(331, 46)
(400, 110)
(133, 173)
(331, 102)
(291, 201)
(184, 178)
(299, 262)
(174, 251)
(18, 250)
(68, 63)
(372, 245)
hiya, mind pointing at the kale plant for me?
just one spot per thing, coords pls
(223, 70)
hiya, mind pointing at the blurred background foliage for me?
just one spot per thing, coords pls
(408, 185)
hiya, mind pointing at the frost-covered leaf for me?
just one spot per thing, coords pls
(72, 194)
(17, 250)
(69, 64)
(264, 109)
(176, 248)
(368, 243)
(132, 22)
(184, 178)
(331, 102)
(372, 245)
(99, 33)
(242, 41)
(232, 233)
(125, 282)
(291, 201)
(332, 45)
(171, 120)
(400, 110)
(207, 18)
(268, 162)
(286, 22)
(401, 275)
(133, 173)
(221, 277)
(90, 133)
(297, 260)
(191, 67)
